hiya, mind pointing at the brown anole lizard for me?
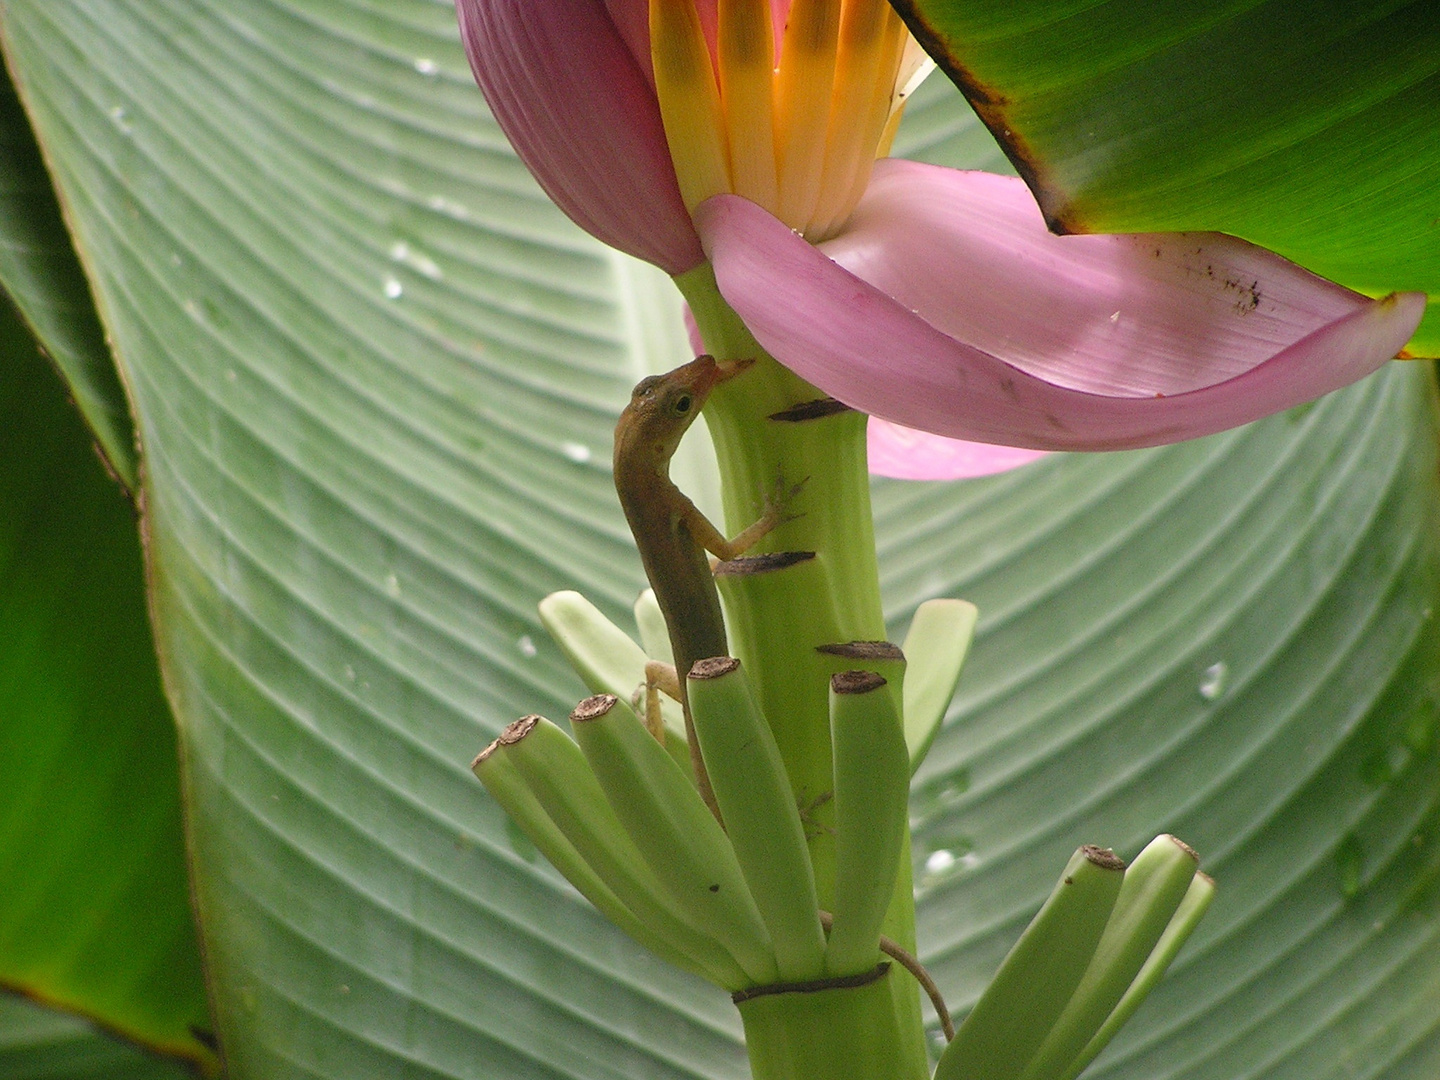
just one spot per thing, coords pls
(673, 535)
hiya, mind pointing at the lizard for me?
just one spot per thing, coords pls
(674, 536)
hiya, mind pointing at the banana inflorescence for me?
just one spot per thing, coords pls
(616, 810)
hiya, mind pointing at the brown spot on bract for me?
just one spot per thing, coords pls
(856, 682)
(1102, 857)
(1185, 847)
(516, 731)
(713, 667)
(483, 754)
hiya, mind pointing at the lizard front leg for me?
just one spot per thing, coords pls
(714, 541)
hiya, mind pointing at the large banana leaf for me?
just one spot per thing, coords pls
(374, 375)
(94, 908)
(1309, 127)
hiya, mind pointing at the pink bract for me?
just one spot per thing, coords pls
(582, 115)
(946, 305)
(906, 454)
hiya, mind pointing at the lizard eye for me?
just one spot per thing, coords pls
(683, 404)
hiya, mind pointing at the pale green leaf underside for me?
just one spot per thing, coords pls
(1233, 641)
(376, 372)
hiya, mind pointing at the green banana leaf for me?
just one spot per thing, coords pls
(1311, 127)
(94, 908)
(374, 375)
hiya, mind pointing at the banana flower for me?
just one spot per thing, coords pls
(745, 134)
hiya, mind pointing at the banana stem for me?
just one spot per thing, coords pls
(833, 1032)
(821, 587)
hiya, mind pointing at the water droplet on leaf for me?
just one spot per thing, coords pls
(1212, 682)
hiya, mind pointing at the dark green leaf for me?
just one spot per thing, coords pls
(39, 270)
(94, 905)
(1311, 128)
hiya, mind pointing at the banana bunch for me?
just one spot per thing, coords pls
(620, 817)
(616, 810)
(1097, 947)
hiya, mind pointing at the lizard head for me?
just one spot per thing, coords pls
(662, 407)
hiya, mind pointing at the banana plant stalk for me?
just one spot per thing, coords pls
(785, 879)
(780, 812)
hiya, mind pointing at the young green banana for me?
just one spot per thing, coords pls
(1154, 885)
(935, 646)
(872, 782)
(606, 659)
(674, 830)
(761, 818)
(557, 774)
(1039, 975)
(1187, 916)
(507, 786)
(600, 652)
